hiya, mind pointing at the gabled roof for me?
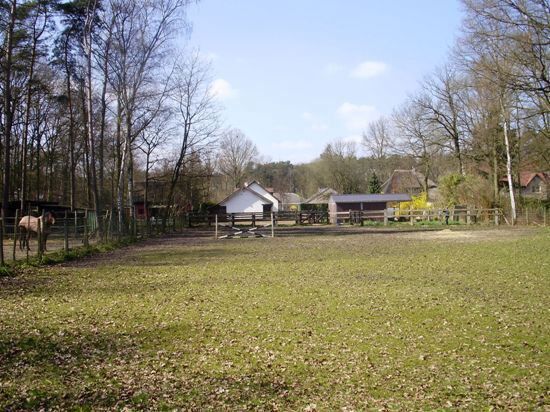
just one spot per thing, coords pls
(245, 189)
(526, 177)
(371, 198)
(322, 196)
(404, 180)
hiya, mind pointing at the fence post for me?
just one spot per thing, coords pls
(468, 216)
(76, 224)
(527, 216)
(27, 234)
(86, 228)
(15, 229)
(411, 216)
(216, 219)
(66, 233)
(253, 219)
(2, 262)
(385, 217)
(39, 236)
(497, 215)
(272, 225)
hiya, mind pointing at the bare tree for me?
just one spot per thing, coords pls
(196, 115)
(377, 138)
(417, 136)
(141, 40)
(442, 99)
(519, 32)
(151, 139)
(236, 152)
(486, 58)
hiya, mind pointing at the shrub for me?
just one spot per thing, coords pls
(472, 190)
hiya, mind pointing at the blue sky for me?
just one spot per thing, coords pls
(294, 75)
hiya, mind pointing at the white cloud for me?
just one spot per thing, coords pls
(292, 144)
(315, 124)
(333, 68)
(357, 116)
(369, 69)
(222, 89)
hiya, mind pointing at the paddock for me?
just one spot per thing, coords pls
(374, 318)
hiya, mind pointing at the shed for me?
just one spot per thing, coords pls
(251, 198)
(367, 202)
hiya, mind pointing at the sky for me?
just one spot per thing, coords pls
(294, 75)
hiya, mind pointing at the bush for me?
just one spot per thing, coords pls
(471, 190)
(417, 203)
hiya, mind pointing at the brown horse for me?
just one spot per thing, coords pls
(29, 225)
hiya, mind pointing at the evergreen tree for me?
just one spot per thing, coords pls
(374, 184)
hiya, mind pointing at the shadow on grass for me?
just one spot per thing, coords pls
(107, 370)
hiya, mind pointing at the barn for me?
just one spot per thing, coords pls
(251, 198)
(361, 202)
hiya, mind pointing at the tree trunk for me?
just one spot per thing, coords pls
(146, 191)
(508, 163)
(495, 172)
(72, 157)
(90, 120)
(8, 122)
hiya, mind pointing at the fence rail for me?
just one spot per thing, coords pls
(81, 228)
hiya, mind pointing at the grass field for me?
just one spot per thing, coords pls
(394, 321)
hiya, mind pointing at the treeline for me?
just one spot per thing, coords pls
(93, 93)
(481, 116)
(100, 107)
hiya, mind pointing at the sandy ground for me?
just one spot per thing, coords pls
(198, 237)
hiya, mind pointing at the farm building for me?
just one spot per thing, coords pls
(372, 202)
(319, 201)
(251, 198)
(532, 184)
(409, 181)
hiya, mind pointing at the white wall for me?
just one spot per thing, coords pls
(260, 190)
(244, 202)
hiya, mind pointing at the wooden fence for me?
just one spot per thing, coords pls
(463, 216)
(412, 216)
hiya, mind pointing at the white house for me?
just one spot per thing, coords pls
(251, 198)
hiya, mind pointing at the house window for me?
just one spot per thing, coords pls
(536, 188)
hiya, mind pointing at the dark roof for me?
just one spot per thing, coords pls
(405, 180)
(372, 198)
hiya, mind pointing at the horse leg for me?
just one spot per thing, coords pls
(22, 231)
(45, 238)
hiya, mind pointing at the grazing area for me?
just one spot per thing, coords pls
(446, 319)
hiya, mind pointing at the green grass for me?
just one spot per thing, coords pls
(411, 321)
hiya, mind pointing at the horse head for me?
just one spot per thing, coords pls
(49, 218)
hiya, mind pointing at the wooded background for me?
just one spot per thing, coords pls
(101, 102)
